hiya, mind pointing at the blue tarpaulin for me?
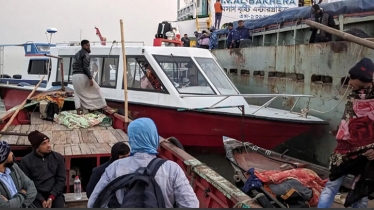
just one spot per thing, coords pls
(292, 14)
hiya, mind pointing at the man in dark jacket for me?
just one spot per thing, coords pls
(87, 93)
(229, 35)
(16, 189)
(239, 34)
(325, 19)
(46, 169)
(119, 150)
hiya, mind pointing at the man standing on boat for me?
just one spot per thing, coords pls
(229, 35)
(16, 189)
(46, 169)
(354, 134)
(325, 19)
(87, 93)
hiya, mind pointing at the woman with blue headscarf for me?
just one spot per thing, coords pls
(144, 142)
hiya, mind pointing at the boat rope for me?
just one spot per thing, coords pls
(242, 203)
(305, 111)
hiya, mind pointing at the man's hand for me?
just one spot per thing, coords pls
(44, 204)
(4, 198)
(369, 154)
(23, 191)
(91, 82)
(49, 203)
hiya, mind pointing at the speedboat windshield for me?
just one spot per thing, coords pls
(216, 75)
(184, 74)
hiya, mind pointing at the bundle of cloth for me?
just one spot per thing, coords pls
(290, 186)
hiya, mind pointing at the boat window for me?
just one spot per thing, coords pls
(96, 67)
(184, 74)
(38, 66)
(109, 72)
(141, 76)
(66, 62)
(216, 75)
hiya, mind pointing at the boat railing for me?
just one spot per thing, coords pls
(304, 112)
(99, 43)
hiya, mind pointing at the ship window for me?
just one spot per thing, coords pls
(38, 66)
(184, 74)
(66, 65)
(141, 76)
(216, 75)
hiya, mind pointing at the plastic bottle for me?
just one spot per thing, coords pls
(77, 188)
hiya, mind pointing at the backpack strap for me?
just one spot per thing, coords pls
(154, 165)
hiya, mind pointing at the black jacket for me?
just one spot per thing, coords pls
(48, 173)
(81, 63)
(95, 177)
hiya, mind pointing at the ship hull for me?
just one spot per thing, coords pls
(202, 129)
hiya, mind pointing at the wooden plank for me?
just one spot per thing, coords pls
(116, 135)
(76, 149)
(98, 136)
(75, 137)
(123, 134)
(47, 127)
(107, 147)
(55, 137)
(22, 139)
(11, 127)
(59, 148)
(84, 135)
(17, 128)
(101, 149)
(93, 148)
(68, 150)
(110, 136)
(39, 128)
(91, 136)
(63, 137)
(68, 139)
(84, 149)
(12, 140)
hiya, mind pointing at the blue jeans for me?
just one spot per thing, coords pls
(331, 189)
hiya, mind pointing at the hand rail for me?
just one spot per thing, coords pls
(265, 105)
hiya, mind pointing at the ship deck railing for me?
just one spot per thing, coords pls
(99, 43)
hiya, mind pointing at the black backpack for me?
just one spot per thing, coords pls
(141, 189)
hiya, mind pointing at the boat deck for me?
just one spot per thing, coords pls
(68, 142)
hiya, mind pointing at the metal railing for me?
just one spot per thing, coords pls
(265, 105)
(98, 43)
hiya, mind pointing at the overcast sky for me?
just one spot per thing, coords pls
(23, 20)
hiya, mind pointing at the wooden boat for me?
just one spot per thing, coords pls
(86, 148)
(244, 155)
(197, 112)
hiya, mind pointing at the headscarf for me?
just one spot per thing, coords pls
(143, 136)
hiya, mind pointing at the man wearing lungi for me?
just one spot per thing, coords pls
(87, 93)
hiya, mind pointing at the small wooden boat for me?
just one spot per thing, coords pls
(244, 155)
(85, 148)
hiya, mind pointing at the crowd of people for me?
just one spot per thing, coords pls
(40, 179)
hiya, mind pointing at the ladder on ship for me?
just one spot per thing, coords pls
(205, 24)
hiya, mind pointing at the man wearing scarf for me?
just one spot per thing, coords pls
(355, 138)
(16, 189)
(46, 168)
(119, 150)
(144, 142)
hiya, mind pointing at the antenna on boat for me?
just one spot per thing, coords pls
(124, 73)
(50, 31)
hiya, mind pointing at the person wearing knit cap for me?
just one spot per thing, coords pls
(119, 150)
(361, 82)
(46, 168)
(16, 189)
